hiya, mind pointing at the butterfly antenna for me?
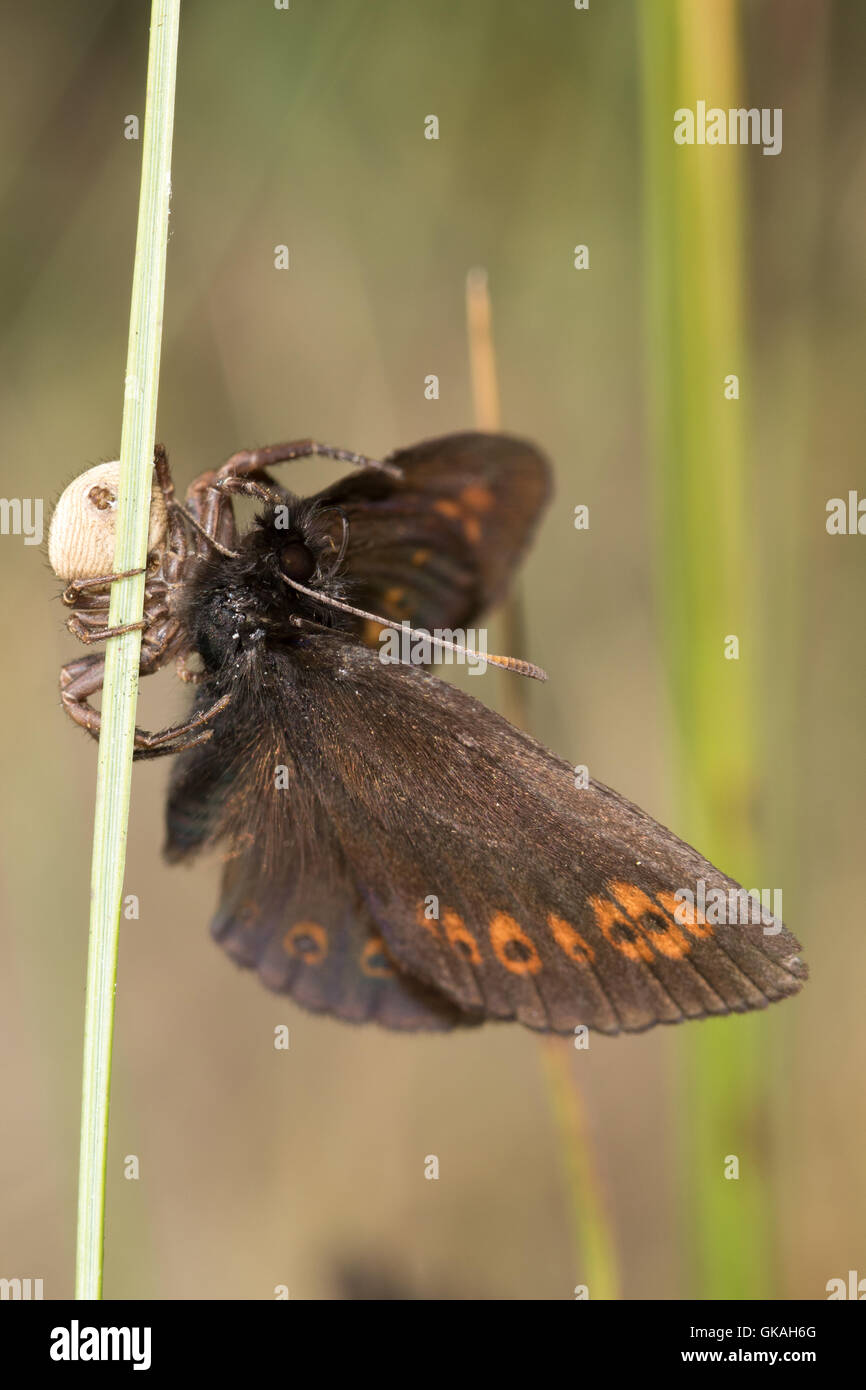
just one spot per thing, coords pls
(507, 663)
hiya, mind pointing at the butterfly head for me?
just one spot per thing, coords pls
(240, 603)
(295, 541)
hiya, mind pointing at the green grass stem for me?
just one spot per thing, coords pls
(114, 769)
(694, 238)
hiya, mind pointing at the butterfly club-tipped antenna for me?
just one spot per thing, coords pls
(506, 663)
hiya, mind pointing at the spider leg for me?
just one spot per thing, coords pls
(79, 680)
(186, 672)
(248, 486)
(82, 678)
(87, 633)
(248, 462)
(73, 591)
(174, 739)
(211, 515)
(163, 473)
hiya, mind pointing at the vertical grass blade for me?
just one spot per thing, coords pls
(120, 691)
(588, 1216)
(693, 219)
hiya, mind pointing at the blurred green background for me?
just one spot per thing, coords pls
(306, 127)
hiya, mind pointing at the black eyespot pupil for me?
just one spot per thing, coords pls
(296, 561)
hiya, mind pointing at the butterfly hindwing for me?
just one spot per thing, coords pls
(290, 910)
(317, 941)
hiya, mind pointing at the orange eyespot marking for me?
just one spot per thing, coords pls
(420, 557)
(477, 498)
(472, 529)
(428, 923)
(394, 598)
(687, 915)
(446, 507)
(460, 936)
(619, 931)
(513, 947)
(307, 940)
(570, 941)
(375, 961)
(664, 935)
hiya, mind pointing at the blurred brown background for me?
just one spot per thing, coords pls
(306, 1168)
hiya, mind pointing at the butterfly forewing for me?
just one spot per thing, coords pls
(437, 546)
(489, 877)
(394, 850)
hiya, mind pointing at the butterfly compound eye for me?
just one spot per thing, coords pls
(297, 562)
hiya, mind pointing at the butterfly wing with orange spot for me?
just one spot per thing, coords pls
(420, 832)
(289, 907)
(316, 941)
(437, 546)
(496, 882)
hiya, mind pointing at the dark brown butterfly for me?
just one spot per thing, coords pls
(393, 849)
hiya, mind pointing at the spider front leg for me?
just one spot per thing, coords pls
(210, 515)
(247, 463)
